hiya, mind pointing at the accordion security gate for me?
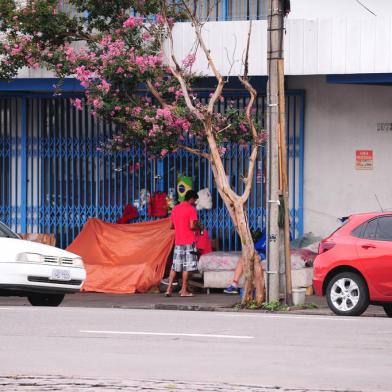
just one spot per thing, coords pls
(53, 177)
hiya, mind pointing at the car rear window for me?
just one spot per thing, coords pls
(5, 232)
(379, 228)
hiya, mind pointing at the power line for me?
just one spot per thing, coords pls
(366, 8)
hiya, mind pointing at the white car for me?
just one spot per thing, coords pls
(42, 273)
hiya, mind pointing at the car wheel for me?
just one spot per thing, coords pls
(347, 294)
(45, 299)
(388, 309)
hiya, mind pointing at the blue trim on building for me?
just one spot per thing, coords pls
(36, 85)
(160, 175)
(225, 13)
(301, 164)
(23, 156)
(30, 86)
(383, 79)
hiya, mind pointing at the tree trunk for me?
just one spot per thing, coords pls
(235, 204)
(253, 273)
(252, 270)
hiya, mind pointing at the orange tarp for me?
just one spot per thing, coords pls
(123, 258)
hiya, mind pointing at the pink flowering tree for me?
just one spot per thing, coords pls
(119, 60)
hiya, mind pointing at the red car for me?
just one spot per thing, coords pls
(354, 265)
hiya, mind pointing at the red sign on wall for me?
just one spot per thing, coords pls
(364, 159)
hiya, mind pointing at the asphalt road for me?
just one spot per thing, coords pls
(124, 346)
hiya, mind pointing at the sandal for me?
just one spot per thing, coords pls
(187, 295)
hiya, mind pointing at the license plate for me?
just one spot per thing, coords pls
(59, 274)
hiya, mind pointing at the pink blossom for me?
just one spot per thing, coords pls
(97, 103)
(243, 128)
(70, 54)
(170, 21)
(78, 104)
(189, 60)
(186, 125)
(164, 152)
(221, 150)
(165, 113)
(16, 50)
(132, 22)
(105, 86)
(139, 60)
(160, 19)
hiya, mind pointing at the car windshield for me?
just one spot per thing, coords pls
(5, 232)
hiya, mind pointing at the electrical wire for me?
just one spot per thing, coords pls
(366, 8)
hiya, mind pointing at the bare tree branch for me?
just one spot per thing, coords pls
(198, 30)
(176, 70)
(249, 178)
(156, 94)
(231, 61)
(253, 96)
(226, 198)
(252, 92)
(195, 151)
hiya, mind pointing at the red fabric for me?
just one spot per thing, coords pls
(123, 258)
(158, 205)
(130, 212)
(203, 243)
(182, 216)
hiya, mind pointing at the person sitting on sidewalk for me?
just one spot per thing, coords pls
(184, 222)
(260, 246)
(233, 288)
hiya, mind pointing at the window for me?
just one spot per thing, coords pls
(358, 231)
(5, 232)
(376, 229)
(384, 228)
(370, 230)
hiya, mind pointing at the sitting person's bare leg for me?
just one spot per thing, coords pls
(233, 288)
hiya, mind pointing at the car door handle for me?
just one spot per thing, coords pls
(368, 246)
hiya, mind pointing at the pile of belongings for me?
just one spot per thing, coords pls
(304, 250)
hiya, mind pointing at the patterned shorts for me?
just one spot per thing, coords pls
(184, 258)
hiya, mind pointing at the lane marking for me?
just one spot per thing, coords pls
(292, 316)
(190, 335)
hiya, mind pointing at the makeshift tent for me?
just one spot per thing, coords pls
(123, 258)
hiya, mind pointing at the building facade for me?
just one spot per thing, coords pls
(338, 62)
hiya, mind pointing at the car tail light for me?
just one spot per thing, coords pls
(325, 246)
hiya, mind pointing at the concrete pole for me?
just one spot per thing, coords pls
(275, 39)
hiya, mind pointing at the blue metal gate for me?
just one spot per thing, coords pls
(53, 176)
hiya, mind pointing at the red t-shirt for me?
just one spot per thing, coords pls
(182, 216)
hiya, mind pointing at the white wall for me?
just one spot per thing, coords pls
(323, 45)
(323, 37)
(313, 9)
(339, 120)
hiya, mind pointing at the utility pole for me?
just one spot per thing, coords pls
(274, 54)
(284, 182)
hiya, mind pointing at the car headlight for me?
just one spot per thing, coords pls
(29, 257)
(78, 262)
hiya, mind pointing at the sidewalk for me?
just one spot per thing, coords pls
(200, 302)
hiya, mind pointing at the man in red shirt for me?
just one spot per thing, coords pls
(185, 223)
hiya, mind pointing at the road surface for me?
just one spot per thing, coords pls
(121, 349)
